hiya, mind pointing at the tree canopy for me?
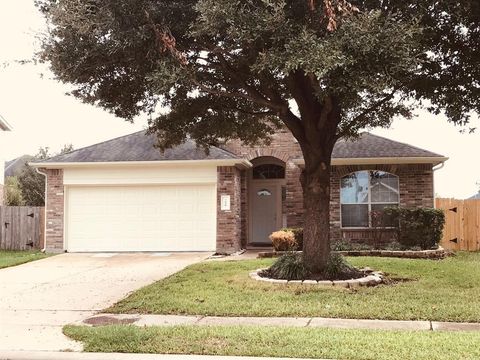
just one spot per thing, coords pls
(214, 70)
(220, 65)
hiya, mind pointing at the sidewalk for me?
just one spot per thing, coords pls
(172, 320)
(53, 355)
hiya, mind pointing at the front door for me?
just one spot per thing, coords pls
(265, 210)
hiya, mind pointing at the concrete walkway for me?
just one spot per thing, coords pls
(310, 322)
(38, 298)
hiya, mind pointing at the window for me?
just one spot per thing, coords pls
(365, 191)
(268, 171)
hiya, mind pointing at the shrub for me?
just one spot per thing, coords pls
(298, 233)
(289, 266)
(341, 245)
(338, 269)
(418, 227)
(283, 240)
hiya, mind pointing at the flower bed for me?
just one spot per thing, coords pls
(437, 254)
(372, 278)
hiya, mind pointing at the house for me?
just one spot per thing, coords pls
(14, 167)
(475, 197)
(4, 126)
(125, 195)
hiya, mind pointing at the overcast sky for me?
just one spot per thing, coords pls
(42, 115)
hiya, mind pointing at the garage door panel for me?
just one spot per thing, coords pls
(137, 218)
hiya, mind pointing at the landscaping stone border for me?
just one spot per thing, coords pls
(437, 254)
(373, 278)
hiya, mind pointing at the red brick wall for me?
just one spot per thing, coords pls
(243, 209)
(54, 210)
(229, 223)
(286, 148)
(416, 184)
(416, 190)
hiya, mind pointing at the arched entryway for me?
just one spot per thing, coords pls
(266, 194)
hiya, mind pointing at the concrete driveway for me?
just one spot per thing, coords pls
(38, 298)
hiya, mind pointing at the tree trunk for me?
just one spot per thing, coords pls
(315, 181)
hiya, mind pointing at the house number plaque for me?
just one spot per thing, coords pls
(225, 203)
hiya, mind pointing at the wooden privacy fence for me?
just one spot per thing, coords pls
(462, 224)
(21, 227)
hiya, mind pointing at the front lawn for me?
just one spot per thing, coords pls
(279, 342)
(446, 290)
(11, 258)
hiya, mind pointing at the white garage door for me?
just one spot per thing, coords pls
(141, 218)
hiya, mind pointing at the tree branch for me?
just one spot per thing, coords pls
(376, 105)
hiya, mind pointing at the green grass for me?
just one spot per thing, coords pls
(279, 342)
(447, 290)
(11, 258)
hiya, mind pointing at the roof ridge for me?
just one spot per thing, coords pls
(402, 143)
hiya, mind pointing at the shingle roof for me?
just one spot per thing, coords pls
(373, 146)
(15, 166)
(139, 147)
(475, 197)
(4, 125)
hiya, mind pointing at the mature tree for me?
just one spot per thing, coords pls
(13, 192)
(32, 184)
(227, 69)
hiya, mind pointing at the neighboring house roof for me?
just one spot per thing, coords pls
(139, 147)
(15, 166)
(475, 197)
(4, 125)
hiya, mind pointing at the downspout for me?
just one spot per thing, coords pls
(45, 215)
(440, 166)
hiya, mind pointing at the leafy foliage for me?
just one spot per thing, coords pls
(289, 266)
(338, 269)
(287, 239)
(13, 192)
(421, 227)
(242, 61)
(298, 234)
(215, 70)
(283, 240)
(32, 184)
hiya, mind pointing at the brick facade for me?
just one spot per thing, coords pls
(54, 210)
(285, 148)
(416, 189)
(415, 180)
(229, 222)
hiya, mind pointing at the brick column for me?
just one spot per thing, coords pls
(294, 200)
(54, 210)
(244, 208)
(229, 224)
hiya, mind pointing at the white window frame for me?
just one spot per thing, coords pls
(369, 203)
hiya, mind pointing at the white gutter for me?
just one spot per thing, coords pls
(381, 160)
(4, 125)
(439, 167)
(45, 215)
(218, 162)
